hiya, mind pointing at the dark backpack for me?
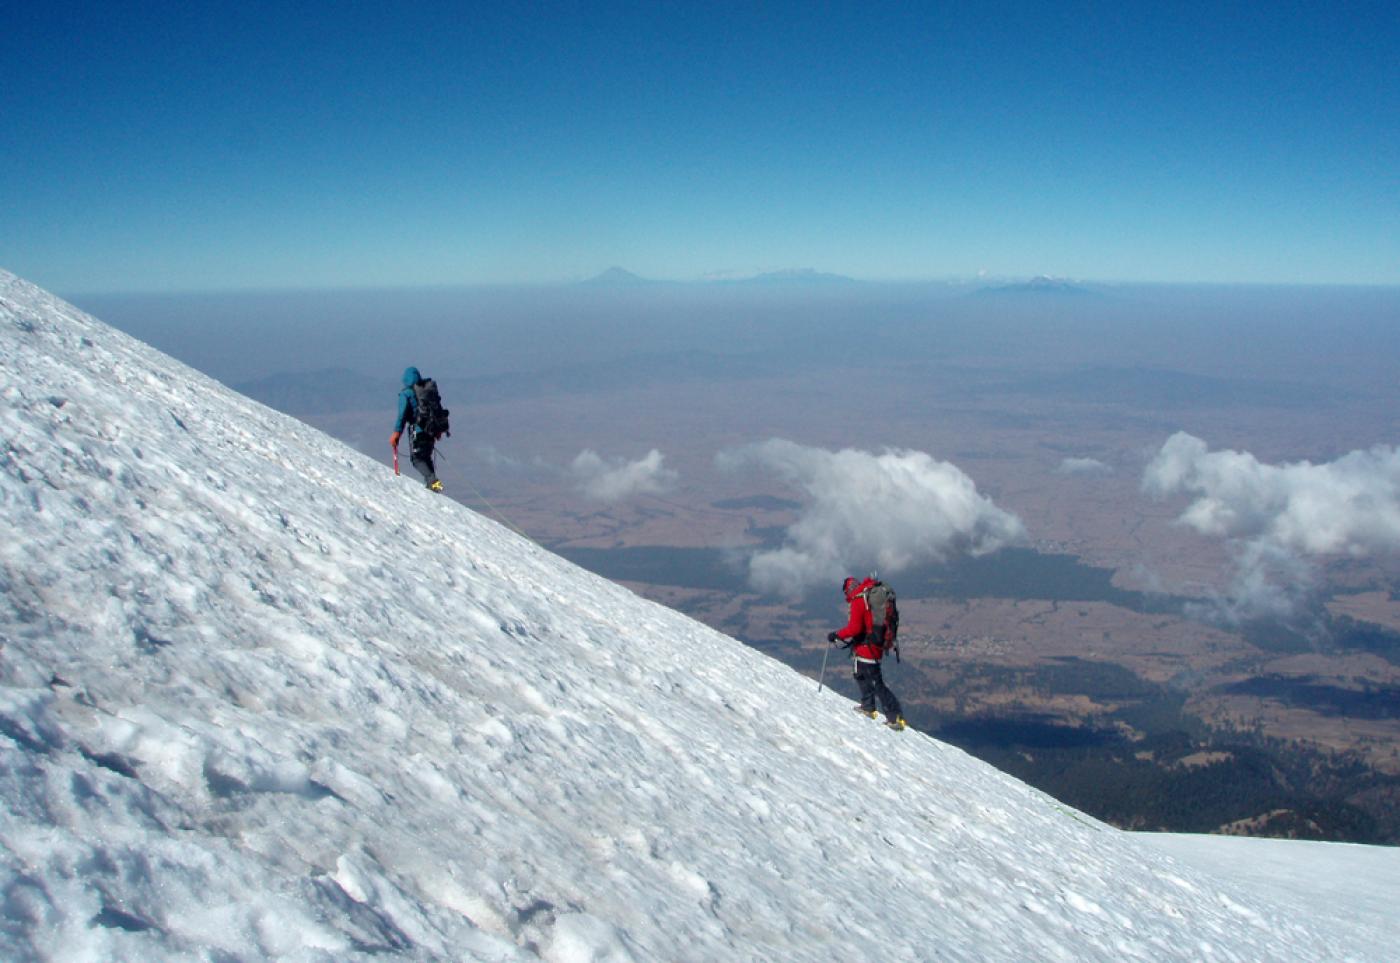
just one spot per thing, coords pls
(884, 614)
(429, 414)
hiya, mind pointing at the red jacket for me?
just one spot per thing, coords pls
(860, 625)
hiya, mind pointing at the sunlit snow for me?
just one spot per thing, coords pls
(263, 699)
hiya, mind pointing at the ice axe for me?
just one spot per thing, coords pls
(822, 678)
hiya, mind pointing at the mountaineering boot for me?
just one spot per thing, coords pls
(868, 713)
(436, 486)
(897, 723)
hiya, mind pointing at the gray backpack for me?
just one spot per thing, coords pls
(884, 613)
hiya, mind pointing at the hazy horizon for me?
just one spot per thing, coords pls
(793, 279)
(475, 332)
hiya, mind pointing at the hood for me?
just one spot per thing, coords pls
(853, 587)
(411, 377)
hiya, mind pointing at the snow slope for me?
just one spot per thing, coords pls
(260, 698)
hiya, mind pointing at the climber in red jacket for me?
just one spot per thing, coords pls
(867, 650)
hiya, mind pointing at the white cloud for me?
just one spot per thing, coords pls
(1351, 505)
(614, 479)
(1269, 582)
(493, 458)
(1083, 466)
(890, 510)
(1278, 515)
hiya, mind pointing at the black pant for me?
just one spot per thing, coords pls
(421, 456)
(872, 684)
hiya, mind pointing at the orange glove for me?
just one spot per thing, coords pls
(394, 440)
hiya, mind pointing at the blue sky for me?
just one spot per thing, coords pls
(155, 147)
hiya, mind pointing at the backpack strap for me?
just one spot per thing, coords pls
(869, 636)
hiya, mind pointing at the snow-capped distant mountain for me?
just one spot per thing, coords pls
(263, 699)
(1041, 285)
(617, 277)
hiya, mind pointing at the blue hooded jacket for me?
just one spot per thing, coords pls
(408, 404)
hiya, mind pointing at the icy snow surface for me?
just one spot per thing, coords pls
(263, 699)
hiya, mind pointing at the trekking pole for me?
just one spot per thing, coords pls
(396, 459)
(822, 678)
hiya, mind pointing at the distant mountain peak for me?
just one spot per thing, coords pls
(804, 275)
(1040, 284)
(618, 277)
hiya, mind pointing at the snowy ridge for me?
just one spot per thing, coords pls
(260, 698)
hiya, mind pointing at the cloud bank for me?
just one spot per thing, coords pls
(614, 479)
(1083, 466)
(1277, 516)
(891, 510)
(497, 460)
